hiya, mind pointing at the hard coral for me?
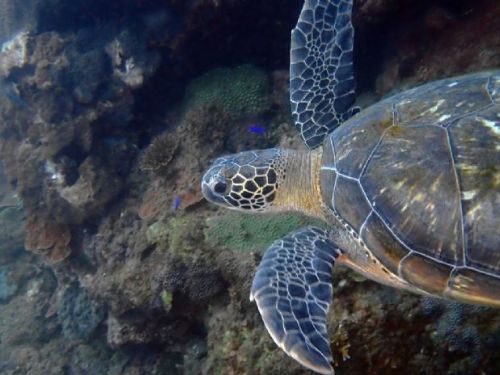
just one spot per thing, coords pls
(122, 331)
(47, 237)
(95, 187)
(132, 62)
(241, 346)
(182, 155)
(79, 313)
(198, 282)
(241, 91)
(176, 235)
(65, 114)
(159, 154)
(251, 232)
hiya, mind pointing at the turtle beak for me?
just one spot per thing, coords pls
(207, 188)
(208, 193)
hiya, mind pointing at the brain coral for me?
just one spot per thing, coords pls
(240, 91)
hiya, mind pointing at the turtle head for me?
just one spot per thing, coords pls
(247, 181)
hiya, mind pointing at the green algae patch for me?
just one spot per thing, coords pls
(177, 235)
(248, 232)
(157, 232)
(240, 91)
(167, 299)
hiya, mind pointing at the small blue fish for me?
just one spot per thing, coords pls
(176, 203)
(257, 129)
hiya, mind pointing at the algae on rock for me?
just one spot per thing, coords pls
(167, 300)
(176, 234)
(12, 232)
(7, 287)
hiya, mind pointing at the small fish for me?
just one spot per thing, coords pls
(257, 129)
(176, 203)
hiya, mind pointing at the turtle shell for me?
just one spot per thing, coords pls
(417, 177)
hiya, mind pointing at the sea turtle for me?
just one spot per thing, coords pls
(409, 188)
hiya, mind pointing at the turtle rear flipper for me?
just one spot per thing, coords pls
(321, 70)
(293, 291)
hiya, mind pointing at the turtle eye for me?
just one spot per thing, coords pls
(220, 187)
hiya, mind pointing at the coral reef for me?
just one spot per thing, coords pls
(66, 145)
(79, 314)
(7, 288)
(92, 190)
(183, 169)
(132, 62)
(122, 332)
(240, 91)
(174, 235)
(237, 345)
(45, 236)
(13, 54)
(11, 232)
(104, 134)
(167, 299)
(242, 232)
(159, 154)
(402, 43)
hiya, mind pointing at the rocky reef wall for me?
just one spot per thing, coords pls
(110, 260)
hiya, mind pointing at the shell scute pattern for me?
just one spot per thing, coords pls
(383, 246)
(411, 184)
(441, 103)
(475, 141)
(420, 160)
(351, 202)
(354, 143)
(429, 275)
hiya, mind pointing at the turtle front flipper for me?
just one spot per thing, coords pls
(321, 69)
(293, 291)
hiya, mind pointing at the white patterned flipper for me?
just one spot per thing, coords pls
(293, 291)
(321, 69)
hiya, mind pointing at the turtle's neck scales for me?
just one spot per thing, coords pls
(300, 190)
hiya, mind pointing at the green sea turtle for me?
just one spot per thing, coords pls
(410, 188)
